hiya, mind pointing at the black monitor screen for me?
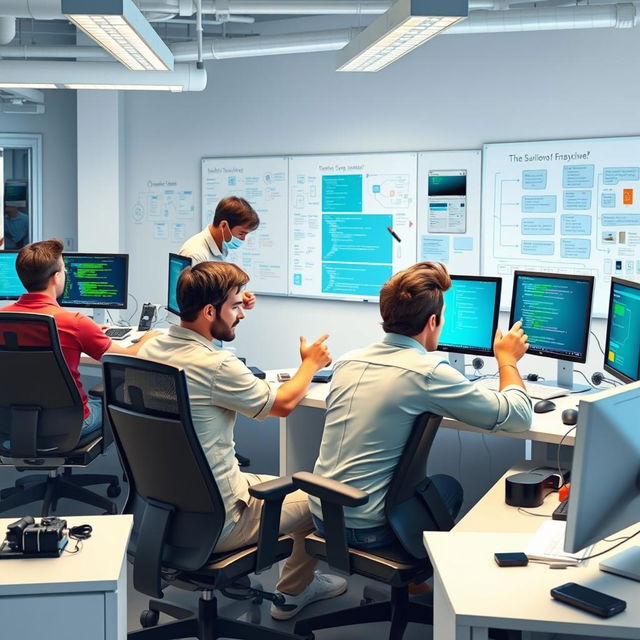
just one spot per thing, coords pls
(622, 349)
(10, 286)
(176, 264)
(15, 192)
(98, 280)
(472, 306)
(555, 311)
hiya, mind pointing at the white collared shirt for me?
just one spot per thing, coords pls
(203, 248)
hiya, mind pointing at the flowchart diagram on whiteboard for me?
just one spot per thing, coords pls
(569, 206)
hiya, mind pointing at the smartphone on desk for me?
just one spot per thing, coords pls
(147, 316)
(589, 600)
(324, 375)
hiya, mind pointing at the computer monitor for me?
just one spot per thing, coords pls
(10, 286)
(472, 307)
(605, 494)
(15, 193)
(98, 280)
(622, 348)
(176, 264)
(555, 310)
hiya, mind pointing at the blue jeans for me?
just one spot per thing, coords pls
(93, 422)
(381, 536)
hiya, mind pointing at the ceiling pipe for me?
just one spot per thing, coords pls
(38, 51)
(38, 9)
(7, 30)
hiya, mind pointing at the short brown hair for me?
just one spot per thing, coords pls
(409, 298)
(237, 212)
(37, 262)
(207, 283)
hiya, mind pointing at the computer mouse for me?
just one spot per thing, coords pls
(135, 340)
(570, 416)
(544, 406)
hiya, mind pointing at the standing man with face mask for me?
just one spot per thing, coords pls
(233, 220)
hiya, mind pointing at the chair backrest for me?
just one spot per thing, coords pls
(413, 504)
(40, 405)
(177, 508)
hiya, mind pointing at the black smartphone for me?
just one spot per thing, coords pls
(518, 559)
(258, 373)
(147, 316)
(590, 600)
(324, 375)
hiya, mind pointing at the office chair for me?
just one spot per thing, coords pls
(41, 416)
(177, 508)
(412, 505)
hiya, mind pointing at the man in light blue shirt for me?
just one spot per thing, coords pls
(377, 392)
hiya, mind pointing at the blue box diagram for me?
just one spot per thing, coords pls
(464, 243)
(341, 194)
(613, 175)
(362, 280)
(434, 248)
(357, 238)
(297, 279)
(537, 248)
(577, 176)
(608, 199)
(534, 179)
(231, 181)
(574, 225)
(376, 188)
(620, 219)
(538, 226)
(573, 200)
(539, 204)
(574, 248)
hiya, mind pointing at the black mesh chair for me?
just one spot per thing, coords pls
(412, 505)
(177, 508)
(41, 417)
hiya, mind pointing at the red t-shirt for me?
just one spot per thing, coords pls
(77, 333)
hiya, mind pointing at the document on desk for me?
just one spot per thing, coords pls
(547, 545)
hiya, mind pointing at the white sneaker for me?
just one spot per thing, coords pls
(322, 586)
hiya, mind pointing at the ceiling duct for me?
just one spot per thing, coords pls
(21, 100)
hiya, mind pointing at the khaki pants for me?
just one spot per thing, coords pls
(295, 521)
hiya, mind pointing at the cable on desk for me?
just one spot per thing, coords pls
(615, 546)
(562, 480)
(598, 341)
(585, 377)
(133, 315)
(79, 534)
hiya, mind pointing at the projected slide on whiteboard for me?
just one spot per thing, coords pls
(352, 223)
(263, 183)
(570, 206)
(449, 209)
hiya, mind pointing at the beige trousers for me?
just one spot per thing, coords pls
(295, 521)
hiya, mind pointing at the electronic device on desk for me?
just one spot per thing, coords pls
(97, 280)
(26, 539)
(560, 512)
(555, 310)
(596, 602)
(11, 287)
(324, 375)
(118, 333)
(147, 316)
(605, 495)
(176, 265)
(258, 373)
(529, 489)
(622, 346)
(538, 391)
(472, 308)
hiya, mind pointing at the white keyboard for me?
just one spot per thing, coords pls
(537, 391)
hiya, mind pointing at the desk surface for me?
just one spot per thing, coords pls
(96, 567)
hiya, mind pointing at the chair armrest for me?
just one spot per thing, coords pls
(329, 490)
(273, 489)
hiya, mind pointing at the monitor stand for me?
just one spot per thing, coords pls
(564, 378)
(456, 360)
(626, 564)
(100, 316)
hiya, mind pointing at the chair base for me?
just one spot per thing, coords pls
(206, 626)
(51, 488)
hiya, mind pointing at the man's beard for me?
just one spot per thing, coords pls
(220, 330)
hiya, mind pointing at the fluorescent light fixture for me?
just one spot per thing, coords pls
(129, 87)
(404, 26)
(27, 85)
(119, 27)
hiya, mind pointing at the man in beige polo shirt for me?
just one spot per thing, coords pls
(210, 298)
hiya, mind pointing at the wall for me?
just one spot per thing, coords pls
(456, 92)
(58, 129)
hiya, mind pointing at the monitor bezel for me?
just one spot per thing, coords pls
(14, 251)
(607, 367)
(556, 276)
(496, 315)
(180, 257)
(84, 305)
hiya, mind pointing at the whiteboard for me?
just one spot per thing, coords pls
(342, 212)
(563, 206)
(449, 203)
(263, 183)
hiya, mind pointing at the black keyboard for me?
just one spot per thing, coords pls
(118, 332)
(560, 512)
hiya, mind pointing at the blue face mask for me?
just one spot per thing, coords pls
(234, 243)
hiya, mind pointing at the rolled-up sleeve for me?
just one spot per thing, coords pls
(452, 395)
(234, 387)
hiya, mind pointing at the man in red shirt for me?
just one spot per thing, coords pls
(41, 270)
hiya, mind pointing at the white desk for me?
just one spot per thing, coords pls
(472, 594)
(73, 597)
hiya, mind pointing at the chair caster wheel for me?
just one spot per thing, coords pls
(114, 490)
(149, 618)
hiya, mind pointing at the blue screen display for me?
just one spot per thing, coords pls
(469, 312)
(98, 281)
(555, 314)
(622, 351)
(176, 265)
(10, 286)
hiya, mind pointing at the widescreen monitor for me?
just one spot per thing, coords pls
(10, 286)
(555, 310)
(472, 307)
(176, 264)
(622, 347)
(98, 280)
